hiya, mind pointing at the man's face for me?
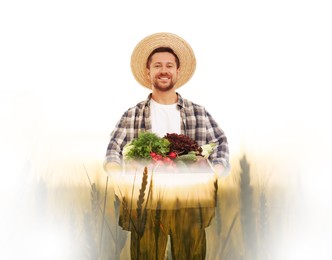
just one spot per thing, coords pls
(163, 72)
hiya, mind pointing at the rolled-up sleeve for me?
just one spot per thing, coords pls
(117, 142)
(216, 135)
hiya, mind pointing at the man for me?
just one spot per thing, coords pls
(163, 62)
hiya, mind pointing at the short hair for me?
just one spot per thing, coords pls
(162, 49)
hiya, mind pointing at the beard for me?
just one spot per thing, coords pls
(162, 87)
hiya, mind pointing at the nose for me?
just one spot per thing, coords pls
(163, 69)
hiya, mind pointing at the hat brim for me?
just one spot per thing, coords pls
(144, 48)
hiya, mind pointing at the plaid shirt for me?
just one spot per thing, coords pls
(196, 123)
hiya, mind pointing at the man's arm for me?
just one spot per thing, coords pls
(220, 156)
(113, 158)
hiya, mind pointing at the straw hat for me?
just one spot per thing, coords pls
(181, 48)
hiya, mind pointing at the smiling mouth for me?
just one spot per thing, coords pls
(164, 79)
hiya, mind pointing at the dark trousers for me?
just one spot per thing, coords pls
(186, 227)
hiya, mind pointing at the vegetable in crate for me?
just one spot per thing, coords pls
(172, 150)
(207, 149)
(140, 148)
(182, 144)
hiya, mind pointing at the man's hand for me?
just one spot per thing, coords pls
(220, 170)
(113, 168)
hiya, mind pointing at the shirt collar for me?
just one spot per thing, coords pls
(180, 100)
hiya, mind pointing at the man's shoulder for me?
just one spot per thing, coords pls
(191, 105)
(139, 106)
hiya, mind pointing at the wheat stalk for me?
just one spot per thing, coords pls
(132, 199)
(264, 232)
(140, 202)
(157, 225)
(248, 219)
(95, 206)
(120, 240)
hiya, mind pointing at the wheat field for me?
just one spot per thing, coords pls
(77, 217)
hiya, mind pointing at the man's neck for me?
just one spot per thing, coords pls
(165, 98)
